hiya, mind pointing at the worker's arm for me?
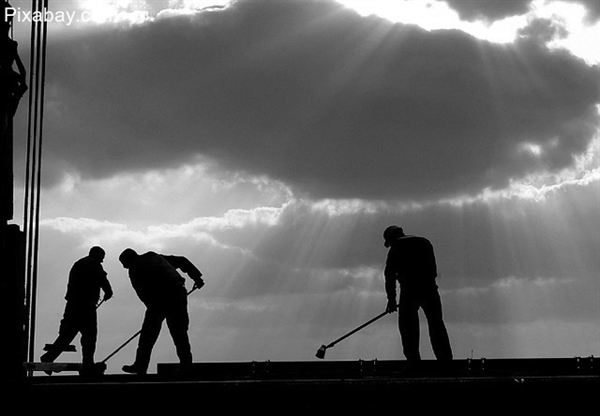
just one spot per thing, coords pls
(186, 266)
(106, 287)
(390, 279)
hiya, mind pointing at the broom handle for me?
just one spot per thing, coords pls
(381, 315)
(122, 346)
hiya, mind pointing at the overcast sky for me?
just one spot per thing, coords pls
(271, 142)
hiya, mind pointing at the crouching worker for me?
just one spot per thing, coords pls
(161, 288)
(86, 278)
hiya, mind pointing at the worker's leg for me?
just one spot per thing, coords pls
(408, 324)
(151, 326)
(68, 329)
(89, 336)
(440, 342)
(178, 322)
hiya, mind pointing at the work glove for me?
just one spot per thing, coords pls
(391, 306)
(198, 283)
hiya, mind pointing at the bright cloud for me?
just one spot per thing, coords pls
(578, 34)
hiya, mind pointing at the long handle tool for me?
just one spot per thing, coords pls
(321, 352)
(103, 362)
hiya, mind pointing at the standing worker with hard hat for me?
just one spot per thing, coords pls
(411, 262)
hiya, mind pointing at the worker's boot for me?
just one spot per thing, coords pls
(134, 369)
(49, 357)
(90, 369)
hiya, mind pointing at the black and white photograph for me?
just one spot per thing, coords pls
(337, 204)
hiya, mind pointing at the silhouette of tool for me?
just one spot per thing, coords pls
(321, 352)
(102, 364)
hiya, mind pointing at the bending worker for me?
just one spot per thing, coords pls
(162, 290)
(411, 263)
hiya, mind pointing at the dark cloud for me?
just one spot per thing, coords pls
(310, 93)
(488, 9)
(592, 7)
(491, 10)
(542, 31)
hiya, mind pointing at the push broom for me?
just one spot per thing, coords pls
(321, 352)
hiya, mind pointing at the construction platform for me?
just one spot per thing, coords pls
(289, 387)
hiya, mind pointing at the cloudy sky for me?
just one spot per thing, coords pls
(271, 142)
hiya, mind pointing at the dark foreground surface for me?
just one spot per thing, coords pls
(519, 386)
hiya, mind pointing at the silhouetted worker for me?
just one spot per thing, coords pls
(161, 288)
(12, 83)
(411, 262)
(86, 278)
